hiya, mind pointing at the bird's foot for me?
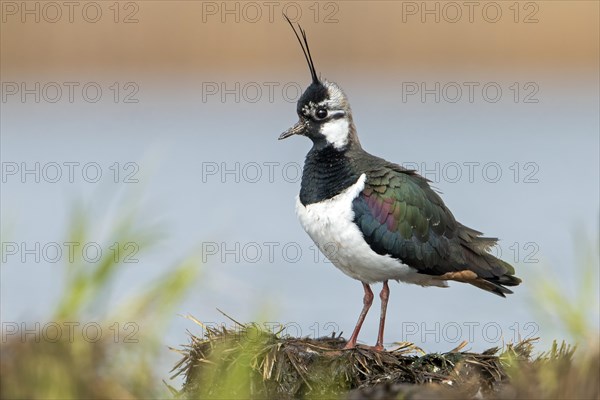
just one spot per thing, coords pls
(349, 345)
(378, 347)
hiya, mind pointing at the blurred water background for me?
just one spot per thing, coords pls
(185, 131)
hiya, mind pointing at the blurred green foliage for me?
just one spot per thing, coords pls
(118, 357)
(572, 311)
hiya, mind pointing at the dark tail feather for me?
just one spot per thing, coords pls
(497, 285)
(494, 275)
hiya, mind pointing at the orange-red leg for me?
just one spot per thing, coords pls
(384, 296)
(367, 301)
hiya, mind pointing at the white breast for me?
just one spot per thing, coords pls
(330, 224)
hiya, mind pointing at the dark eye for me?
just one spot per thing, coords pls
(321, 113)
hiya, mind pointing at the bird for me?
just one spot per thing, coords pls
(376, 220)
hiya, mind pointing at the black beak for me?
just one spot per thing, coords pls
(297, 129)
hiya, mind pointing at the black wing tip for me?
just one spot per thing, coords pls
(497, 285)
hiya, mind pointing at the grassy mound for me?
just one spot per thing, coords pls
(249, 362)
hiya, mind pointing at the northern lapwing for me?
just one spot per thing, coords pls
(374, 219)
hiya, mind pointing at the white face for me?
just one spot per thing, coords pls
(336, 131)
(336, 127)
(330, 117)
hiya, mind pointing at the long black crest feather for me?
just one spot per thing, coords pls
(305, 49)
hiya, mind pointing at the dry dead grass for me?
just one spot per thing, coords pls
(249, 362)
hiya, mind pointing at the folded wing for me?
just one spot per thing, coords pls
(401, 215)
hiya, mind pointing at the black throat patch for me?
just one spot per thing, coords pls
(327, 173)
